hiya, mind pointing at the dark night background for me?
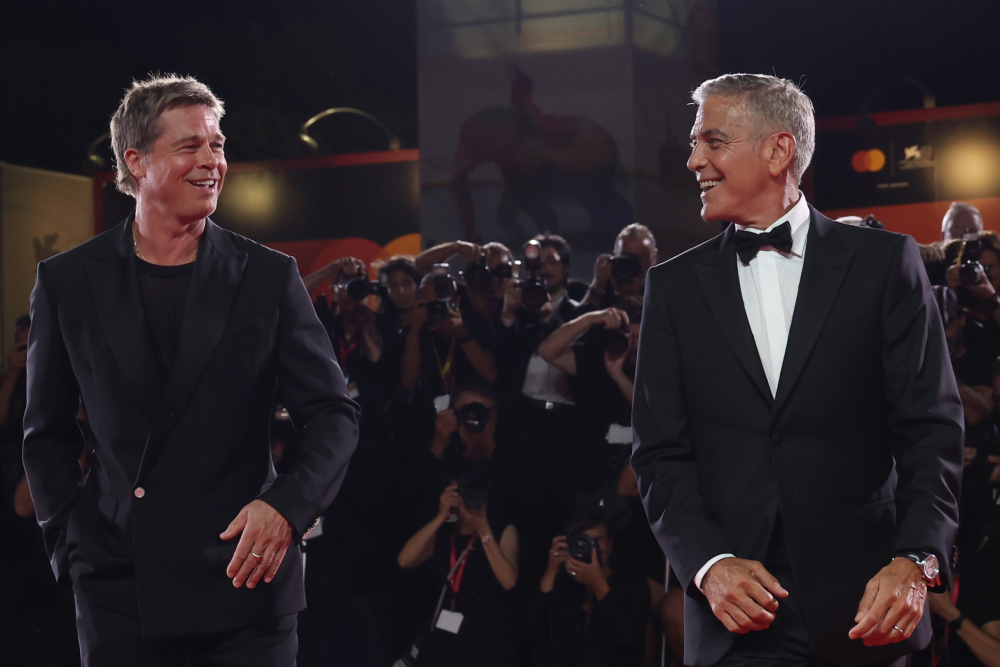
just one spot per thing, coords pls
(66, 64)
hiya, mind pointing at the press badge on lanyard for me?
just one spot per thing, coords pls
(450, 620)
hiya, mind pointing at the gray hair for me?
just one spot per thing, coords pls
(772, 103)
(958, 207)
(135, 125)
(635, 230)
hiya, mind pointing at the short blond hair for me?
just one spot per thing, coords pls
(135, 123)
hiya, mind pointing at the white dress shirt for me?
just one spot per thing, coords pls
(770, 284)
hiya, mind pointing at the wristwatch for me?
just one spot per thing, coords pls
(928, 564)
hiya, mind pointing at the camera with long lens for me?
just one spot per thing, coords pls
(582, 546)
(439, 309)
(473, 483)
(473, 416)
(358, 289)
(970, 268)
(534, 291)
(616, 341)
(626, 267)
(477, 275)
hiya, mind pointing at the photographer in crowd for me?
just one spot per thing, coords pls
(959, 220)
(586, 612)
(487, 270)
(536, 394)
(472, 547)
(598, 351)
(623, 273)
(975, 279)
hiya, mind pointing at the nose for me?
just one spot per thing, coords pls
(208, 158)
(697, 159)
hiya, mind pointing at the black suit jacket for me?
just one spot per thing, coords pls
(860, 450)
(196, 440)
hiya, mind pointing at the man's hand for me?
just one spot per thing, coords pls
(265, 533)
(742, 594)
(610, 318)
(892, 605)
(589, 574)
(473, 252)
(983, 290)
(18, 358)
(445, 424)
(602, 272)
(614, 365)
(453, 326)
(449, 502)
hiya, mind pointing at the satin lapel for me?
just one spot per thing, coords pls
(114, 287)
(215, 284)
(824, 268)
(720, 285)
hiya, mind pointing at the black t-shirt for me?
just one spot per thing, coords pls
(164, 294)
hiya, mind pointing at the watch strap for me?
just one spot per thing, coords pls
(955, 625)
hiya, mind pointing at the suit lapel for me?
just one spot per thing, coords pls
(114, 287)
(826, 262)
(215, 284)
(720, 285)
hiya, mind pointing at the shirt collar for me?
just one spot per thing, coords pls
(798, 218)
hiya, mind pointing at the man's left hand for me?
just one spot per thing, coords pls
(265, 533)
(892, 605)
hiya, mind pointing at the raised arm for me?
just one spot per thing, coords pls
(557, 348)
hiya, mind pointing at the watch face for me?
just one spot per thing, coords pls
(931, 567)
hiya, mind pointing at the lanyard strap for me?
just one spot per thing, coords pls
(457, 563)
(445, 370)
(347, 349)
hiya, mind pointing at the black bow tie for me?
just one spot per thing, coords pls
(748, 243)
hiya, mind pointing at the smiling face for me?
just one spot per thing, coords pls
(182, 175)
(733, 174)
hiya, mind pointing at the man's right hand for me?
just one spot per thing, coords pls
(742, 594)
(602, 271)
(445, 424)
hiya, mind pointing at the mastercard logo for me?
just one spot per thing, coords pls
(872, 160)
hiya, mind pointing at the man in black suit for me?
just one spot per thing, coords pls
(796, 419)
(173, 333)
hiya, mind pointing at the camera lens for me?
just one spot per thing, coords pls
(359, 288)
(626, 267)
(581, 547)
(474, 416)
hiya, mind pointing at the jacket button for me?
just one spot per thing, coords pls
(776, 439)
(139, 492)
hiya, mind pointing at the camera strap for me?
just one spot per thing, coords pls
(348, 348)
(445, 369)
(458, 563)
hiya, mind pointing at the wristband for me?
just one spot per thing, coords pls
(487, 537)
(955, 625)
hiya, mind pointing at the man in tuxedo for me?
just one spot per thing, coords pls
(797, 428)
(182, 543)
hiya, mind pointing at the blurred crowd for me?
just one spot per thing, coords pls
(490, 515)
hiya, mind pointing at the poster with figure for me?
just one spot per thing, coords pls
(542, 115)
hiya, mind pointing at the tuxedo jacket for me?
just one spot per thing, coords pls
(860, 449)
(195, 439)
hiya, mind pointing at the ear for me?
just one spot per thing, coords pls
(136, 165)
(779, 152)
